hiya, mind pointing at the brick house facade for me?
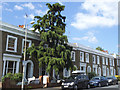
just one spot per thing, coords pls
(84, 58)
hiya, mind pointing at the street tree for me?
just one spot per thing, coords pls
(99, 48)
(53, 52)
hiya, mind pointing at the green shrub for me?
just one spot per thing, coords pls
(17, 77)
(91, 75)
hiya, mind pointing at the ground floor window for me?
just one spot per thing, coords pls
(83, 67)
(104, 70)
(114, 72)
(99, 71)
(11, 63)
(66, 73)
(10, 67)
(88, 69)
(118, 71)
(95, 68)
(107, 71)
(111, 71)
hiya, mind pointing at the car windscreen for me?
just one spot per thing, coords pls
(95, 78)
(109, 77)
(71, 77)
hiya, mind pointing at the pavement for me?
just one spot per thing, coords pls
(111, 87)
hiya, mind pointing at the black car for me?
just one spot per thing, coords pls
(98, 81)
(75, 82)
(112, 80)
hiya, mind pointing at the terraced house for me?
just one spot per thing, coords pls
(84, 58)
(11, 50)
(90, 60)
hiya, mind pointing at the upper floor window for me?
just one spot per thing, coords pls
(28, 44)
(93, 58)
(87, 57)
(11, 44)
(98, 60)
(103, 60)
(113, 62)
(73, 55)
(106, 61)
(110, 62)
(82, 56)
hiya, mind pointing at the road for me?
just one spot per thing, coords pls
(112, 87)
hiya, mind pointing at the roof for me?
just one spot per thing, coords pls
(17, 30)
(77, 46)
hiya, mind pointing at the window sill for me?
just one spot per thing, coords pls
(11, 51)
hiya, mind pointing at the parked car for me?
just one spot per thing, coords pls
(112, 80)
(75, 82)
(98, 81)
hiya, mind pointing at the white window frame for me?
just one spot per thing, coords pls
(87, 58)
(93, 56)
(95, 66)
(104, 69)
(99, 71)
(74, 55)
(83, 65)
(110, 60)
(30, 43)
(10, 57)
(114, 72)
(15, 43)
(103, 60)
(106, 61)
(82, 56)
(98, 59)
(89, 67)
(64, 72)
(113, 62)
(111, 69)
(108, 73)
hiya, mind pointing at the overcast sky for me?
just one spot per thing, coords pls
(91, 23)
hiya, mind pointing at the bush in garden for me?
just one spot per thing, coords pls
(17, 77)
(91, 75)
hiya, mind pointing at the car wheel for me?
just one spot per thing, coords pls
(75, 87)
(113, 83)
(63, 88)
(88, 86)
(99, 84)
(107, 84)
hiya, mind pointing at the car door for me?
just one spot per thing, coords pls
(85, 81)
(80, 81)
(102, 81)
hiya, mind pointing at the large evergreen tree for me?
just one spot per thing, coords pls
(53, 51)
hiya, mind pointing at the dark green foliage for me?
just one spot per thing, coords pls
(53, 51)
(99, 48)
(91, 75)
(17, 77)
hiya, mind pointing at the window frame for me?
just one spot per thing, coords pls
(106, 59)
(82, 56)
(110, 60)
(23, 40)
(87, 58)
(74, 55)
(103, 60)
(15, 43)
(113, 63)
(93, 56)
(67, 71)
(98, 60)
